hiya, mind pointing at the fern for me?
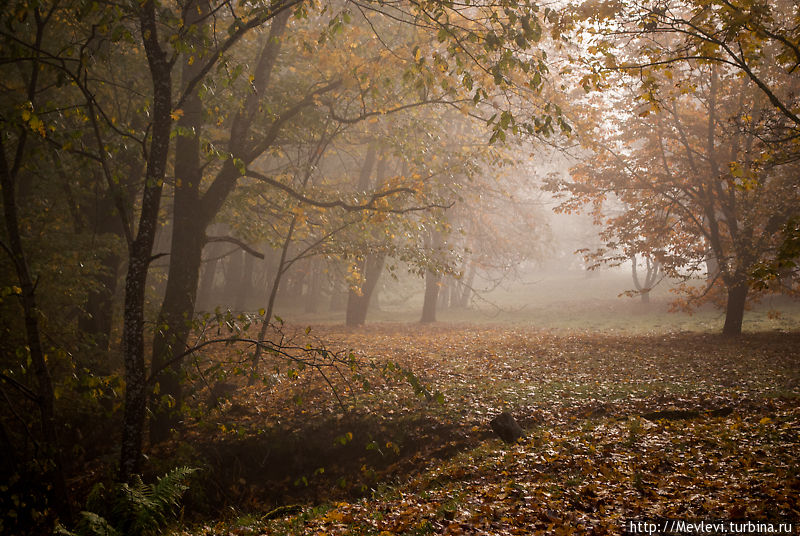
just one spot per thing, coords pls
(95, 525)
(135, 509)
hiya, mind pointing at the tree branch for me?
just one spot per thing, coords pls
(238, 242)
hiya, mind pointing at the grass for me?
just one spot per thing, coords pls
(570, 302)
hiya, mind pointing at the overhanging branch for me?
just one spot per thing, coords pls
(232, 240)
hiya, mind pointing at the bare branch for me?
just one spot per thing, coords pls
(233, 240)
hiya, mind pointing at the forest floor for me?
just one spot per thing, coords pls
(414, 454)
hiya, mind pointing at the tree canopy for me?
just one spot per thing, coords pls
(171, 170)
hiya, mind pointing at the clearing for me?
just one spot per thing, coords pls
(680, 425)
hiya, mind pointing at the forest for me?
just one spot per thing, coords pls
(399, 267)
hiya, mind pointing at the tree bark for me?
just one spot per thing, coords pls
(358, 305)
(432, 280)
(734, 310)
(466, 291)
(314, 286)
(245, 288)
(188, 238)
(432, 283)
(193, 214)
(140, 250)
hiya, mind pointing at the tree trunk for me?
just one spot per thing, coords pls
(245, 289)
(174, 325)
(193, 213)
(140, 250)
(314, 286)
(463, 299)
(234, 272)
(185, 259)
(96, 322)
(650, 279)
(444, 293)
(205, 294)
(45, 396)
(358, 305)
(734, 311)
(273, 294)
(712, 267)
(432, 280)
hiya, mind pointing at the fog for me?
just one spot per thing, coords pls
(407, 213)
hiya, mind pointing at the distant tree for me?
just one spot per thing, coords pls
(645, 284)
(758, 39)
(694, 180)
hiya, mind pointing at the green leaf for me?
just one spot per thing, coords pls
(240, 166)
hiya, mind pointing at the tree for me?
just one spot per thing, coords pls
(651, 277)
(756, 38)
(77, 98)
(693, 180)
(194, 209)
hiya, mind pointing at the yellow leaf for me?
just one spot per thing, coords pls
(765, 420)
(37, 125)
(177, 114)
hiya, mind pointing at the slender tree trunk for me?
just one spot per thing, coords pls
(432, 280)
(190, 223)
(444, 292)
(245, 288)
(140, 250)
(294, 285)
(185, 259)
(432, 283)
(358, 303)
(273, 294)
(466, 293)
(314, 286)
(96, 322)
(734, 310)
(205, 294)
(44, 388)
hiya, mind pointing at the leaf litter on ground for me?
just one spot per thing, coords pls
(721, 439)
